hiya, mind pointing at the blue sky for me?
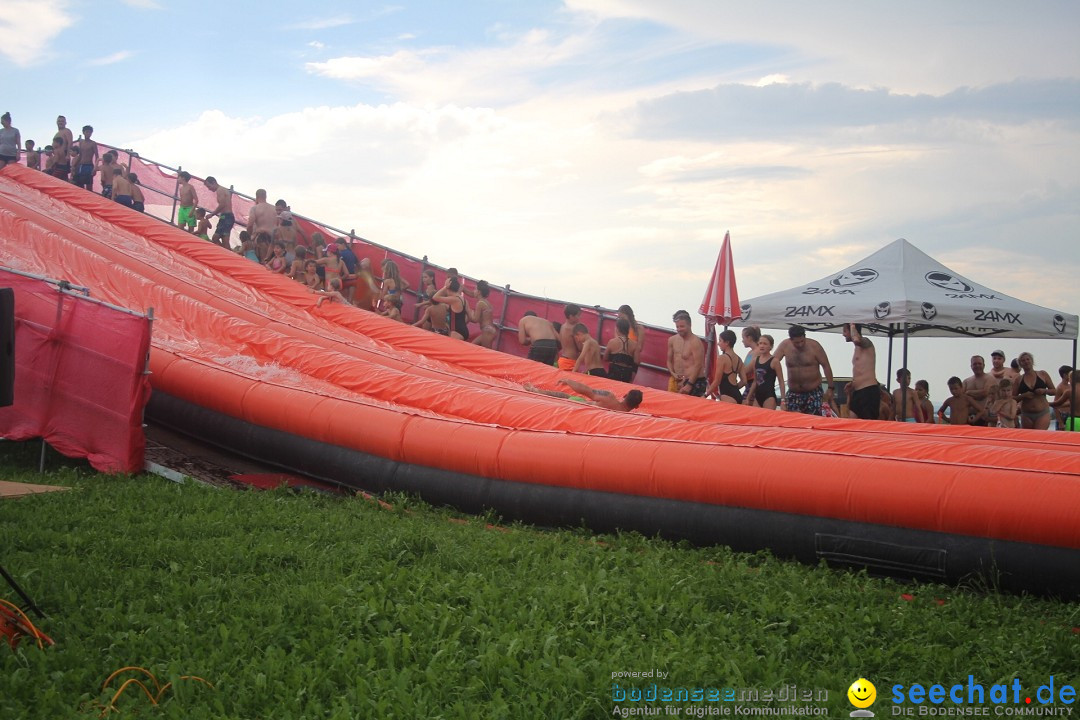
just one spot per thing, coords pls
(597, 150)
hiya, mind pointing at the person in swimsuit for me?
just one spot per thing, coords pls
(636, 334)
(224, 211)
(484, 316)
(620, 353)
(728, 377)
(1001, 408)
(121, 187)
(686, 359)
(452, 297)
(804, 356)
(568, 348)
(589, 358)
(10, 141)
(332, 265)
(203, 227)
(58, 164)
(277, 263)
(392, 284)
(751, 336)
(539, 335)
(188, 199)
(864, 401)
(1062, 402)
(436, 318)
(765, 374)
(138, 200)
(601, 398)
(88, 155)
(922, 390)
(958, 404)
(33, 157)
(905, 401)
(1031, 390)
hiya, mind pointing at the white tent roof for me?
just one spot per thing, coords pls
(901, 284)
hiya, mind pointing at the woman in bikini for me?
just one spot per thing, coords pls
(392, 284)
(636, 334)
(484, 315)
(333, 266)
(620, 353)
(764, 376)
(728, 376)
(1031, 390)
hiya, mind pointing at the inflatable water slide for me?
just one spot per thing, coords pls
(249, 360)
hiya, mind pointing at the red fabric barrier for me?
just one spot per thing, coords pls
(79, 375)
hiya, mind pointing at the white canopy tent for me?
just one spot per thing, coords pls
(900, 290)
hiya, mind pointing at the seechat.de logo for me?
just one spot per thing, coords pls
(862, 695)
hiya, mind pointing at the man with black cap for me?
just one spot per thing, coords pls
(999, 372)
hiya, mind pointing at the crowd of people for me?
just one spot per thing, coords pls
(788, 376)
(1019, 396)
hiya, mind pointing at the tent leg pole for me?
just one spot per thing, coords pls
(41, 461)
(888, 369)
(903, 392)
(1071, 423)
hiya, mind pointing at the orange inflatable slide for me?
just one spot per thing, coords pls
(247, 359)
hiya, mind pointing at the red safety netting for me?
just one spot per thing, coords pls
(80, 380)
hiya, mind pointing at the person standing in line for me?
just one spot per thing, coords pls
(865, 398)
(223, 210)
(10, 141)
(803, 357)
(686, 359)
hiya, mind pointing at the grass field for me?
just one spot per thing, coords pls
(310, 606)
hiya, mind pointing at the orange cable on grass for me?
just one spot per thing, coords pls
(158, 687)
(17, 618)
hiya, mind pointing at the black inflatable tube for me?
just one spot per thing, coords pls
(900, 552)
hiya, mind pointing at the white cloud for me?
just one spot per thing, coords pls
(143, 4)
(116, 57)
(916, 46)
(323, 23)
(28, 27)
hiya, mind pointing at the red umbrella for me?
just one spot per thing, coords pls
(721, 302)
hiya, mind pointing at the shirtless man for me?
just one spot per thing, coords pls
(905, 400)
(601, 398)
(88, 156)
(977, 388)
(539, 334)
(804, 357)
(262, 217)
(589, 358)
(1062, 402)
(223, 210)
(999, 372)
(188, 198)
(569, 350)
(865, 398)
(121, 187)
(484, 316)
(62, 130)
(686, 359)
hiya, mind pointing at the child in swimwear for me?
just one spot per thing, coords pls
(1001, 406)
(138, 200)
(277, 262)
(296, 269)
(922, 391)
(311, 275)
(202, 229)
(33, 157)
(333, 293)
(393, 310)
(958, 404)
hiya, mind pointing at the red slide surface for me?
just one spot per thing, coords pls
(234, 338)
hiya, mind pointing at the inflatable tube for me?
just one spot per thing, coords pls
(244, 344)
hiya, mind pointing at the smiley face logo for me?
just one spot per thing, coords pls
(862, 693)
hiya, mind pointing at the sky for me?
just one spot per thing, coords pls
(598, 150)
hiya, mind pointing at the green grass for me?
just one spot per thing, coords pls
(308, 606)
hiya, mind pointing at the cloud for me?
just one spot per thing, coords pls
(116, 57)
(323, 23)
(143, 4)
(787, 110)
(28, 27)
